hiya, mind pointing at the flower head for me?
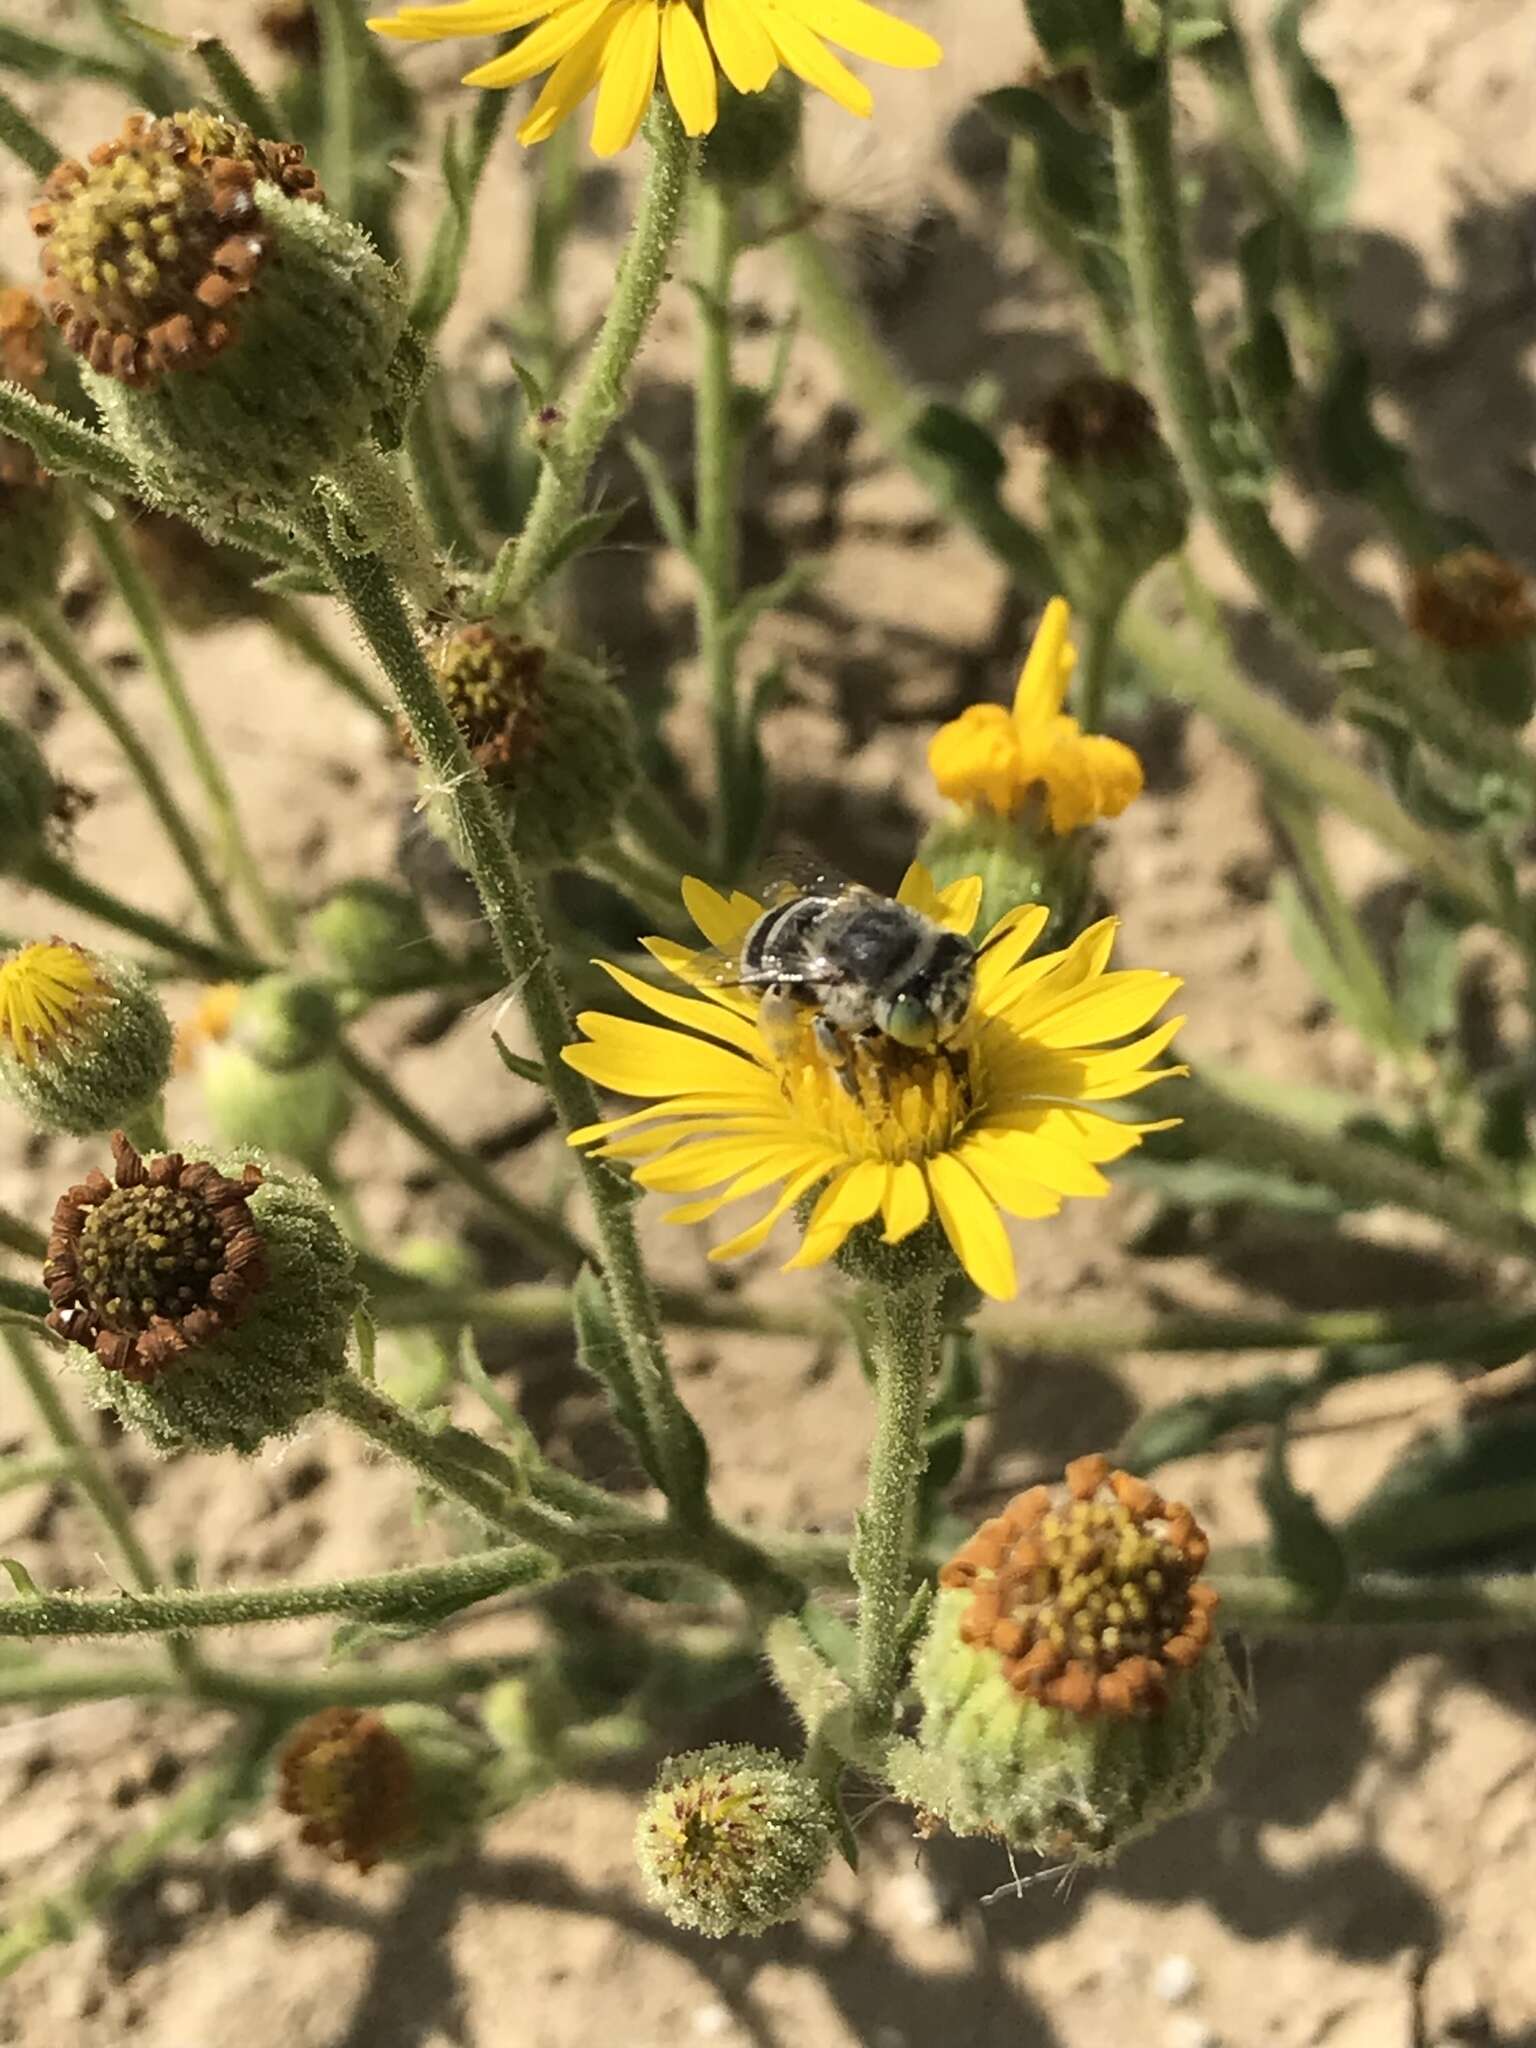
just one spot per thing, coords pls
(395, 1785)
(1074, 1691)
(84, 1041)
(1471, 601)
(990, 759)
(732, 1839)
(622, 46)
(1006, 1120)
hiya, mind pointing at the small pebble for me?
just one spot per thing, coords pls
(1174, 1979)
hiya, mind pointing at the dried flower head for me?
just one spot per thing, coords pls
(493, 684)
(395, 1785)
(155, 1262)
(148, 246)
(1074, 1692)
(1471, 601)
(732, 1839)
(1097, 419)
(84, 1040)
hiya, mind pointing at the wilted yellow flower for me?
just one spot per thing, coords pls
(620, 47)
(1006, 1120)
(993, 759)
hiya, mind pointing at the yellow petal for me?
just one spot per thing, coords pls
(1122, 1061)
(549, 42)
(713, 1019)
(647, 1060)
(724, 921)
(1039, 984)
(761, 1174)
(708, 1161)
(974, 759)
(467, 18)
(749, 1239)
(847, 1202)
(1050, 1162)
(809, 58)
(741, 43)
(688, 67)
(653, 1140)
(568, 84)
(628, 78)
(1042, 685)
(868, 32)
(675, 1105)
(1005, 946)
(1111, 1007)
(906, 1205)
(1008, 1186)
(973, 1226)
(954, 906)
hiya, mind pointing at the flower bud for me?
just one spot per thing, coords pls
(34, 515)
(291, 27)
(732, 1839)
(237, 336)
(1114, 501)
(285, 1021)
(26, 800)
(556, 741)
(1474, 610)
(84, 1041)
(209, 1304)
(755, 134)
(398, 1785)
(1074, 1693)
(371, 936)
(302, 1114)
(1016, 866)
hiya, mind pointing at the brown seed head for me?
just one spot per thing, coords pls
(349, 1778)
(148, 246)
(23, 361)
(1098, 421)
(1471, 601)
(144, 1268)
(494, 686)
(1092, 1601)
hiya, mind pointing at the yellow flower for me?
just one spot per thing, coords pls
(209, 1023)
(990, 759)
(618, 46)
(1010, 1124)
(46, 990)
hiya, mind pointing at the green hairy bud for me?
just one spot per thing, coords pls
(237, 336)
(1114, 502)
(556, 741)
(755, 135)
(285, 1021)
(732, 1839)
(209, 1303)
(398, 1785)
(370, 935)
(301, 1114)
(84, 1041)
(26, 800)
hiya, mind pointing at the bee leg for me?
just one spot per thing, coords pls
(833, 1048)
(778, 1018)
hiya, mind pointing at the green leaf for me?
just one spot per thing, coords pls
(600, 1351)
(584, 533)
(1328, 147)
(959, 441)
(1316, 956)
(1218, 1183)
(1076, 31)
(664, 500)
(1427, 967)
(39, 57)
(832, 1636)
(525, 1070)
(1355, 455)
(20, 1578)
(1071, 164)
(1462, 1495)
(1303, 1548)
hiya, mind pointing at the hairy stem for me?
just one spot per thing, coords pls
(215, 963)
(905, 1342)
(524, 563)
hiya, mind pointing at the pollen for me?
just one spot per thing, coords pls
(49, 992)
(494, 687)
(886, 1102)
(1091, 1601)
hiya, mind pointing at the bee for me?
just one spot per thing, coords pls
(863, 966)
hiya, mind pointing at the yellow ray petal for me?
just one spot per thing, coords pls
(809, 58)
(1111, 1007)
(466, 18)
(741, 43)
(674, 1105)
(724, 921)
(655, 1139)
(1098, 1138)
(700, 971)
(868, 32)
(955, 907)
(688, 67)
(1009, 1188)
(763, 1173)
(973, 1226)
(628, 77)
(1122, 1061)
(649, 1060)
(843, 1205)
(713, 1019)
(1050, 1161)
(1042, 685)
(568, 84)
(707, 1162)
(548, 43)
(749, 1239)
(1005, 946)
(906, 1206)
(1042, 982)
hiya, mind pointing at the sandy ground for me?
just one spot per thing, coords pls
(1362, 1877)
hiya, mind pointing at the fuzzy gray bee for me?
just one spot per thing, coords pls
(865, 966)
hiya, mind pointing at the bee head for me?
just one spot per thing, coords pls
(929, 1008)
(908, 1019)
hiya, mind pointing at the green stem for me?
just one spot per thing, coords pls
(545, 1236)
(523, 563)
(1290, 752)
(338, 89)
(554, 212)
(650, 892)
(237, 93)
(145, 1130)
(904, 1329)
(293, 625)
(93, 1480)
(213, 963)
(1165, 307)
(1095, 631)
(715, 547)
(1498, 1603)
(349, 1684)
(1345, 938)
(139, 599)
(44, 625)
(26, 142)
(654, 821)
(893, 407)
(16, 1473)
(439, 480)
(512, 915)
(18, 1235)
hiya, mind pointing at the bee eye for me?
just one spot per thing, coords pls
(909, 1022)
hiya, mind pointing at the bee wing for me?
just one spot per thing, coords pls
(800, 871)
